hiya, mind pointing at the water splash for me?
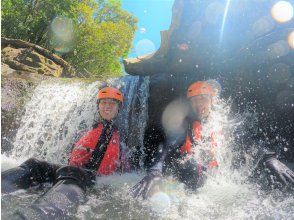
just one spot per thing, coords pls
(226, 194)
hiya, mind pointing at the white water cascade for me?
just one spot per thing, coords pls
(58, 113)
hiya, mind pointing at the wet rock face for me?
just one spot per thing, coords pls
(24, 56)
(26, 59)
(23, 67)
(16, 88)
(245, 49)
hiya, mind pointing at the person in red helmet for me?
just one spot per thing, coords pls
(184, 157)
(200, 95)
(175, 156)
(105, 159)
(98, 152)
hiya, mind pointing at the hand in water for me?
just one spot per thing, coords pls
(281, 171)
(143, 187)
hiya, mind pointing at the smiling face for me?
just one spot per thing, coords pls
(201, 105)
(108, 108)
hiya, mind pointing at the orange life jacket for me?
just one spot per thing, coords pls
(83, 149)
(186, 148)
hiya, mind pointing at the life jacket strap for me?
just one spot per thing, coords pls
(101, 147)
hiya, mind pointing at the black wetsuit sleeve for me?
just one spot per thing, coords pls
(251, 148)
(167, 151)
(262, 155)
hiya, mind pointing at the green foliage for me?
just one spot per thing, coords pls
(92, 35)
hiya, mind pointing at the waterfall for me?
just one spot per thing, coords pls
(59, 113)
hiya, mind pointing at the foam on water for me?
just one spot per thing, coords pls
(9, 162)
(59, 112)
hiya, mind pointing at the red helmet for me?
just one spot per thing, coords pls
(110, 93)
(200, 88)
